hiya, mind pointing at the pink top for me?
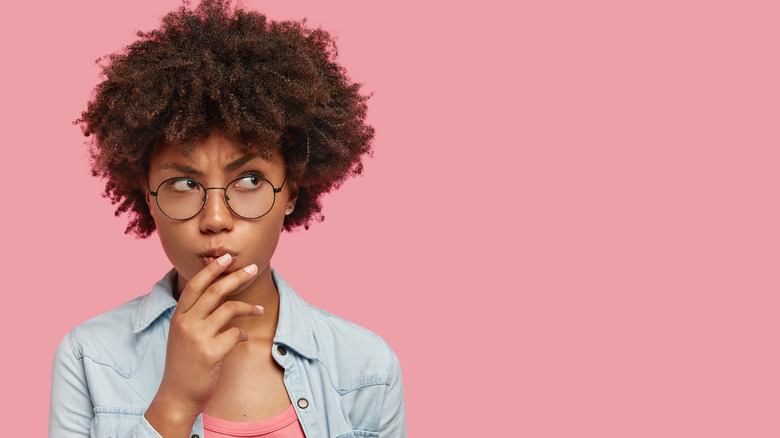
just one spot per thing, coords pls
(284, 425)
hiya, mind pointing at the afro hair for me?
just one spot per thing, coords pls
(219, 68)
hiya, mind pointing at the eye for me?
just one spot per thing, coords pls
(182, 185)
(249, 182)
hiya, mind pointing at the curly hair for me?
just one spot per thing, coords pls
(219, 68)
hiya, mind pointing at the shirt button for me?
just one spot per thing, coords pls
(195, 435)
(303, 403)
(281, 350)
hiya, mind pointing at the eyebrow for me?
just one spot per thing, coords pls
(233, 165)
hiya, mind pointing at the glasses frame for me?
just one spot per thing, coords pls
(206, 194)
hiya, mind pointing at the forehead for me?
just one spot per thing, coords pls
(213, 150)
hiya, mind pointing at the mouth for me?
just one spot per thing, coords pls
(209, 256)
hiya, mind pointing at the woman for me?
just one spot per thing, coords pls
(219, 130)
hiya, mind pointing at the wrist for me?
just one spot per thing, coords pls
(169, 417)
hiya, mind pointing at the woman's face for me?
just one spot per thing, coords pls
(191, 244)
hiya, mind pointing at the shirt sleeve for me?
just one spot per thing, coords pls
(70, 410)
(70, 406)
(392, 422)
(145, 430)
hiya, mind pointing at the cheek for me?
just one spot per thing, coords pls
(259, 243)
(174, 245)
(262, 240)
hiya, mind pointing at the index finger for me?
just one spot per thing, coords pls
(200, 281)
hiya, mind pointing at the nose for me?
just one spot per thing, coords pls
(216, 216)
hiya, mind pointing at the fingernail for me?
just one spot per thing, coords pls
(260, 308)
(224, 259)
(251, 269)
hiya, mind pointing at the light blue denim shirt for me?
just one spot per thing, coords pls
(343, 380)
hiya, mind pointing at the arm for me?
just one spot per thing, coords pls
(392, 422)
(70, 408)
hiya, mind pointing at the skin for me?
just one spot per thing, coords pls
(218, 358)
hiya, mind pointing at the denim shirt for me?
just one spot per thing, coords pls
(343, 380)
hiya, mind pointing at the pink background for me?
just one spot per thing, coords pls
(569, 228)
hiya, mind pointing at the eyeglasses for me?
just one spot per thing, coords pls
(249, 196)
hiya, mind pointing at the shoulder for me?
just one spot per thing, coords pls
(120, 318)
(350, 356)
(109, 339)
(354, 355)
(120, 337)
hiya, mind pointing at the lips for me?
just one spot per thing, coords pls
(209, 256)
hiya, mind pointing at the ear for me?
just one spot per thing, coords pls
(292, 197)
(144, 186)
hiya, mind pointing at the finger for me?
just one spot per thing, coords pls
(200, 281)
(216, 292)
(228, 340)
(225, 313)
(223, 344)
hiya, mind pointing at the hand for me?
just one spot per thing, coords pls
(197, 346)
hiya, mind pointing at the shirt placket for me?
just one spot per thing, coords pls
(299, 391)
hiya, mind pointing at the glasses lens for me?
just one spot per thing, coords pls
(180, 198)
(250, 196)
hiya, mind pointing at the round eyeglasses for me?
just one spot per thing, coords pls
(249, 196)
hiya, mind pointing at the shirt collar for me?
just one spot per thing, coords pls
(293, 328)
(156, 302)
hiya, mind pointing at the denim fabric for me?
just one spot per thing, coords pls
(343, 380)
